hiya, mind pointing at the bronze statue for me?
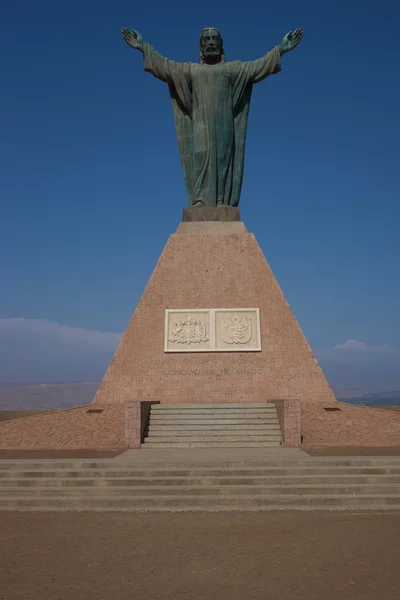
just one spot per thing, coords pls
(211, 103)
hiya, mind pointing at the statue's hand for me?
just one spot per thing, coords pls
(291, 40)
(133, 38)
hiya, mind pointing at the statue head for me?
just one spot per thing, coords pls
(211, 46)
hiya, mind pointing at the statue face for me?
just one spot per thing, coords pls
(211, 45)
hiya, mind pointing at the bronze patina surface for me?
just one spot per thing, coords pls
(211, 101)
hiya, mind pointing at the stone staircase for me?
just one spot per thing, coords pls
(213, 426)
(192, 485)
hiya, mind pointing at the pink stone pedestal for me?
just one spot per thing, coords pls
(210, 265)
(213, 265)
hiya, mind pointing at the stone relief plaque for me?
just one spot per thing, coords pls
(187, 331)
(237, 330)
(212, 330)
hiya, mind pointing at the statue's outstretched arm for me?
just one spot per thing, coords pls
(290, 41)
(133, 38)
(161, 67)
(271, 63)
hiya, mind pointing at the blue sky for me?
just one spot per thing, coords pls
(91, 183)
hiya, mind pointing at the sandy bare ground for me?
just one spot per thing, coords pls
(266, 556)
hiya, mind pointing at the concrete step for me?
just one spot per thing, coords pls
(178, 503)
(194, 424)
(197, 481)
(219, 405)
(292, 469)
(263, 463)
(213, 426)
(203, 444)
(212, 432)
(226, 436)
(215, 411)
(200, 421)
(325, 483)
(229, 491)
(158, 420)
(217, 429)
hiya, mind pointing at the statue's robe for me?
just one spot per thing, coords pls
(211, 106)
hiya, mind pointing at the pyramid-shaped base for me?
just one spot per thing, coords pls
(211, 265)
(208, 265)
(214, 265)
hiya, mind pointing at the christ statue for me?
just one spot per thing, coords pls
(211, 101)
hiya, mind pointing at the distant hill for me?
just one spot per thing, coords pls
(39, 350)
(36, 351)
(8, 415)
(46, 396)
(53, 396)
(378, 399)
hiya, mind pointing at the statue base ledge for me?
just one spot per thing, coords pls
(211, 213)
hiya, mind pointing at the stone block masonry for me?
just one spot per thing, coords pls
(208, 264)
(209, 271)
(81, 428)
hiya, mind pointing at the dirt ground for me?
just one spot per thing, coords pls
(216, 556)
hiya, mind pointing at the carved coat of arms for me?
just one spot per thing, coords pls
(189, 331)
(236, 330)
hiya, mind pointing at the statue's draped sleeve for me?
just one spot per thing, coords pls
(244, 75)
(175, 74)
(178, 76)
(259, 69)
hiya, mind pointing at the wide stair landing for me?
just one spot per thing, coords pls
(138, 484)
(213, 426)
